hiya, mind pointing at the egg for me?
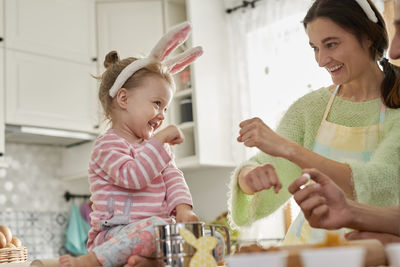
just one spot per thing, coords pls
(10, 245)
(6, 232)
(15, 240)
(3, 240)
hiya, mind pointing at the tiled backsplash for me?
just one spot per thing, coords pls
(42, 233)
(31, 198)
(31, 182)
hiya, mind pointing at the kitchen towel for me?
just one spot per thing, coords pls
(77, 233)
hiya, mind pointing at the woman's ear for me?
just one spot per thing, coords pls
(122, 98)
(367, 42)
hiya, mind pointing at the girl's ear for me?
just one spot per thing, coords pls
(122, 98)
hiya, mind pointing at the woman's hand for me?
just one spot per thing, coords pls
(255, 133)
(324, 204)
(253, 179)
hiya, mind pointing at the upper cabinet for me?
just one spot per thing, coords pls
(50, 54)
(61, 29)
(130, 27)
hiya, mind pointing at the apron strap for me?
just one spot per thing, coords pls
(328, 107)
(382, 113)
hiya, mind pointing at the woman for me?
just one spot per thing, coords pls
(350, 130)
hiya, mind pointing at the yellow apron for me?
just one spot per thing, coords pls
(336, 142)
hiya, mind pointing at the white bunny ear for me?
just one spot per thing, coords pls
(171, 40)
(179, 62)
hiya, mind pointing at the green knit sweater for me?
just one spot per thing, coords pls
(376, 182)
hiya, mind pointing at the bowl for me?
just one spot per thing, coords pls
(333, 257)
(393, 254)
(261, 259)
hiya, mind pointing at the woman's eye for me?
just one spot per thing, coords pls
(158, 103)
(314, 48)
(330, 45)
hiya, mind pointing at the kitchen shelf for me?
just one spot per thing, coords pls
(186, 125)
(183, 93)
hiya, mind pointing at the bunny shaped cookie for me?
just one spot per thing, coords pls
(204, 245)
(165, 46)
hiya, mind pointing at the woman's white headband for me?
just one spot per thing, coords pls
(368, 10)
(165, 46)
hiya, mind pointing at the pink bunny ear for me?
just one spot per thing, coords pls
(179, 62)
(171, 40)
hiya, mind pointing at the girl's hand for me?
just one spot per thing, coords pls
(171, 135)
(255, 133)
(253, 179)
(184, 213)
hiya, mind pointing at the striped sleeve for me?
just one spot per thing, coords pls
(177, 190)
(112, 160)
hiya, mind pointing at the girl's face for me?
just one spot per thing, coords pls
(146, 106)
(338, 51)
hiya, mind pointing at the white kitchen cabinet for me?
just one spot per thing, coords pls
(60, 29)
(130, 27)
(49, 92)
(50, 49)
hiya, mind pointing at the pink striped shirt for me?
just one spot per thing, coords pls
(144, 173)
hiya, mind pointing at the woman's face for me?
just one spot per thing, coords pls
(338, 51)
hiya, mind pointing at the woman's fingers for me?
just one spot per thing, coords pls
(296, 184)
(273, 177)
(307, 192)
(308, 205)
(262, 178)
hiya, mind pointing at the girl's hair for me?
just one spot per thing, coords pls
(351, 17)
(114, 66)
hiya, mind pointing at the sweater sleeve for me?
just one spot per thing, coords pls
(112, 160)
(176, 187)
(376, 182)
(245, 209)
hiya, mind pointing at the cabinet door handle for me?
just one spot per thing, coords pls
(1, 39)
(94, 59)
(96, 126)
(1, 154)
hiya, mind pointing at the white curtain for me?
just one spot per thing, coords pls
(272, 65)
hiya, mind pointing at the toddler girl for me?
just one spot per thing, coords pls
(134, 182)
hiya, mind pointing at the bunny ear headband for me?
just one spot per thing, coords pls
(165, 46)
(368, 10)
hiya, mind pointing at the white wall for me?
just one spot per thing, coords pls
(209, 187)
